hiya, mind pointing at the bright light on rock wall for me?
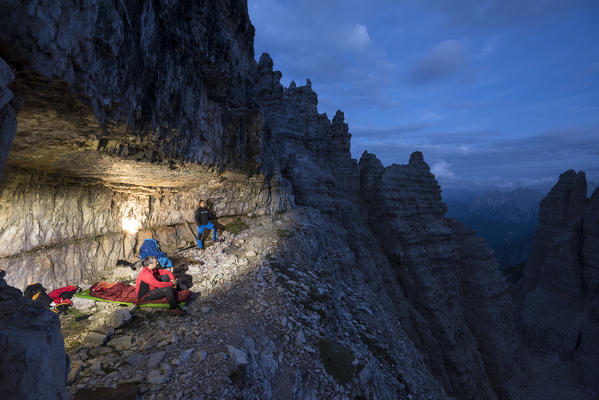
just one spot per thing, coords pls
(129, 221)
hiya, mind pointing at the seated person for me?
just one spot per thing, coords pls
(154, 283)
(201, 218)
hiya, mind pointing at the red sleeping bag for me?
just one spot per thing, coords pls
(119, 291)
(63, 295)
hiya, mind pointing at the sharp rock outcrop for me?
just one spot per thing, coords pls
(559, 295)
(460, 316)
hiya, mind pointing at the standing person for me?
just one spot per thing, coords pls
(153, 284)
(203, 223)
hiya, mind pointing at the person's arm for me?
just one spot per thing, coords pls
(149, 278)
(166, 272)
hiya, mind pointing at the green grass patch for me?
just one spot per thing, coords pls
(337, 360)
(236, 226)
(73, 326)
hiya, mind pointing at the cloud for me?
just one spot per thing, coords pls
(489, 159)
(441, 170)
(444, 60)
(328, 42)
(358, 37)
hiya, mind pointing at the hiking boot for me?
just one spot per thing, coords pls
(179, 312)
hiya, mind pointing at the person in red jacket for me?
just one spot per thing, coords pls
(154, 283)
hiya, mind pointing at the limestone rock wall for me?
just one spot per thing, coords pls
(449, 277)
(8, 125)
(166, 80)
(312, 151)
(58, 230)
(560, 289)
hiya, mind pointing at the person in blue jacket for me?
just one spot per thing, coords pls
(201, 217)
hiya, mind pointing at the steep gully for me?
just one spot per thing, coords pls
(121, 116)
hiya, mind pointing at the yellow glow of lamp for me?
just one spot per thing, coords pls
(130, 225)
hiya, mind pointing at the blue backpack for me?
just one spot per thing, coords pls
(150, 248)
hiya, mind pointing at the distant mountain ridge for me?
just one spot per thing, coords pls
(505, 220)
(519, 206)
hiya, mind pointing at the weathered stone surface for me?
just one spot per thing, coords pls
(147, 79)
(121, 342)
(312, 151)
(444, 271)
(8, 121)
(239, 357)
(95, 339)
(76, 368)
(58, 230)
(82, 304)
(155, 359)
(119, 318)
(560, 287)
(156, 378)
(33, 363)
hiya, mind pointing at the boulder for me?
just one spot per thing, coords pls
(83, 304)
(156, 378)
(33, 363)
(121, 343)
(155, 359)
(118, 318)
(239, 357)
(76, 368)
(95, 339)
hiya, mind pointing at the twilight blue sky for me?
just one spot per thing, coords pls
(495, 93)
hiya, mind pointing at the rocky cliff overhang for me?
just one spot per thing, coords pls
(98, 85)
(112, 113)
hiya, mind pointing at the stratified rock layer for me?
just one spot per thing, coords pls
(560, 289)
(167, 80)
(449, 277)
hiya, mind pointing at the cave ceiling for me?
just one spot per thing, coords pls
(58, 134)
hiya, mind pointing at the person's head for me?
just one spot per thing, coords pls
(150, 261)
(202, 203)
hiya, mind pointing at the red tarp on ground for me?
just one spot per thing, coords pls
(119, 291)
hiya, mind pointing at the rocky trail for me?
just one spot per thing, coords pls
(256, 326)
